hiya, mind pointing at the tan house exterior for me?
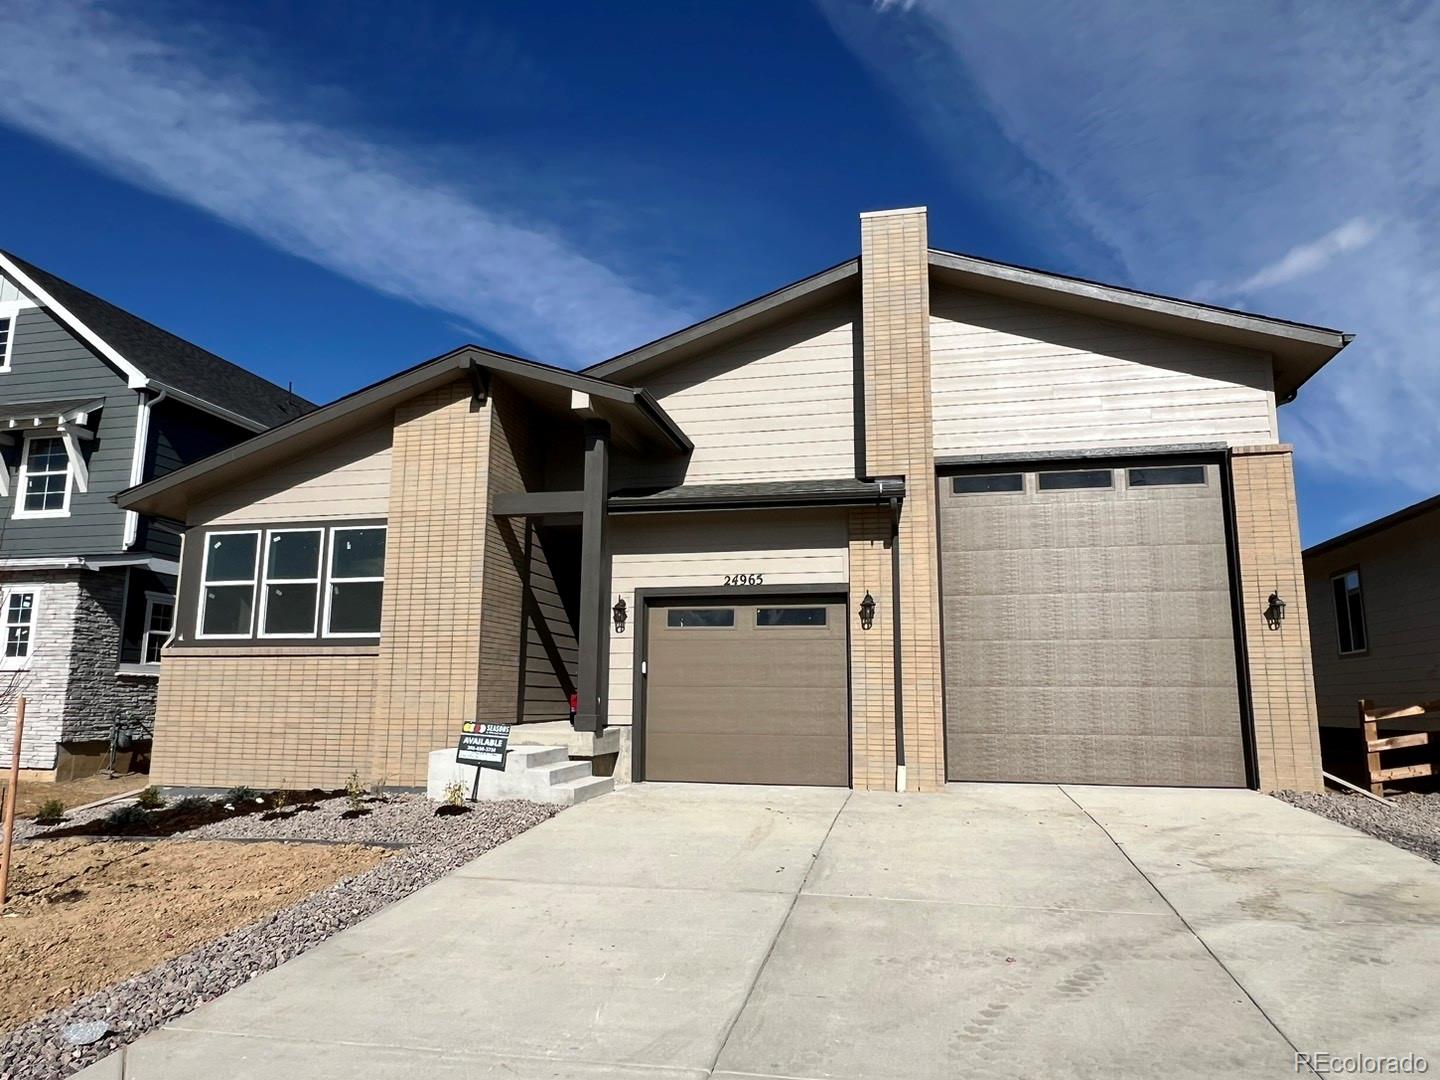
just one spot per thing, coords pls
(916, 518)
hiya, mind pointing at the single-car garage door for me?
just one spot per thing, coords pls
(747, 691)
(1088, 632)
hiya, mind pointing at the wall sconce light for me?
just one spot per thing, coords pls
(619, 612)
(867, 611)
(1274, 611)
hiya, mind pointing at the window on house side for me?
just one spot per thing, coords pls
(44, 478)
(159, 618)
(19, 622)
(1350, 612)
(291, 596)
(227, 589)
(357, 581)
(7, 334)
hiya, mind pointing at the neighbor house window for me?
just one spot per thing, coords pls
(227, 584)
(7, 337)
(19, 615)
(291, 598)
(159, 619)
(1350, 612)
(44, 478)
(356, 581)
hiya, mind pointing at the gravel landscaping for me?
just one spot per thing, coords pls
(39, 1050)
(1410, 821)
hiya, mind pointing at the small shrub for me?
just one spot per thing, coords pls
(280, 799)
(51, 812)
(240, 794)
(354, 792)
(191, 804)
(150, 799)
(128, 817)
(454, 793)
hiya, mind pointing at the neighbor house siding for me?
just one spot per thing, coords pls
(179, 434)
(699, 550)
(1400, 587)
(49, 364)
(1010, 376)
(778, 405)
(350, 479)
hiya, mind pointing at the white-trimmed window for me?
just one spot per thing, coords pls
(356, 581)
(290, 586)
(7, 338)
(227, 584)
(45, 476)
(159, 621)
(19, 627)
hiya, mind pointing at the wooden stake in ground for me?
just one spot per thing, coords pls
(10, 793)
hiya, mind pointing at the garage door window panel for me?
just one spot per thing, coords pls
(988, 484)
(700, 618)
(1076, 480)
(789, 616)
(1166, 476)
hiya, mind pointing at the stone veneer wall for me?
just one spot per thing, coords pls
(96, 696)
(45, 680)
(899, 441)
(1282, 686)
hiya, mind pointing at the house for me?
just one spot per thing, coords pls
(918, 517)
(94, 400)
(1374, 598)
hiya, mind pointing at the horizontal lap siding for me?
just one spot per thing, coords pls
(698, 550)
(1400, 583)
(1009, 376)
(778, 405)
(350, 479)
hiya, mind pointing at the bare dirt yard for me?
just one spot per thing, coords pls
(72, 793)
(84, 914)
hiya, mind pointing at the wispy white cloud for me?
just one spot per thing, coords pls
(1189, 144)
(194, 123)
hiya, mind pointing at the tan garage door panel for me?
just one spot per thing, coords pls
(747, 703)
(1088, 634)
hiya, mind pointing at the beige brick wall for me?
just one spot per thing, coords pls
(266, 717)
(428, 671)
(895, 280)
(1282, 687)
(872, 658)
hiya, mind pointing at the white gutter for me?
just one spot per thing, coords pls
(137, 460)
(169, 567)
(209, 407)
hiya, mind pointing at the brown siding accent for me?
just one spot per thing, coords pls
(1287, 739)
(1400, 586)
(899, 441)
(267, 720)
(872, 657)
(502, 591)
(428, 674)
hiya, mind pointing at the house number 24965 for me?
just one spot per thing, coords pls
(744, 579)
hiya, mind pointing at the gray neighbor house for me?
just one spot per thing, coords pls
(94, 400)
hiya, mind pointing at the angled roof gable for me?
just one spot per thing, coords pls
(1374, 528)
(149, 356)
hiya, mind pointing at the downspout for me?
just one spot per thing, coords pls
(895, 637)
(137, 459)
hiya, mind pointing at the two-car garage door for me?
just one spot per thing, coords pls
(1088, 631)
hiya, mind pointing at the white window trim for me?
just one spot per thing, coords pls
(330, 580)
(318, 581)
(151, 599)
(21, 483)
(205, 583)
(10, 309)
(18, 663)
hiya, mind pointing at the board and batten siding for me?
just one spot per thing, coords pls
(47, 363)
(1009, 376)
(699, 550)
(1400, 588)
(777, 405)
(349, 479)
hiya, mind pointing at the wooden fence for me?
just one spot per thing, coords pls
(1375, 744)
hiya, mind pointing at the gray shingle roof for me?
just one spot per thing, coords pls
(172, 360)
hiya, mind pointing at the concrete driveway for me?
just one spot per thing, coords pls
(671, 931)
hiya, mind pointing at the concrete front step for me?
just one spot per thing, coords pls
(538, 773)
(579, 744)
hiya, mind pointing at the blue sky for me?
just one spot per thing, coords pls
(331, 191)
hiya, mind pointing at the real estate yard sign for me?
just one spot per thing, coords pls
(483, 745)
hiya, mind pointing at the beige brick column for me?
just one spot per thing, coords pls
(872, 666)
(429, 665)
(895, 279)
(1282, 687)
